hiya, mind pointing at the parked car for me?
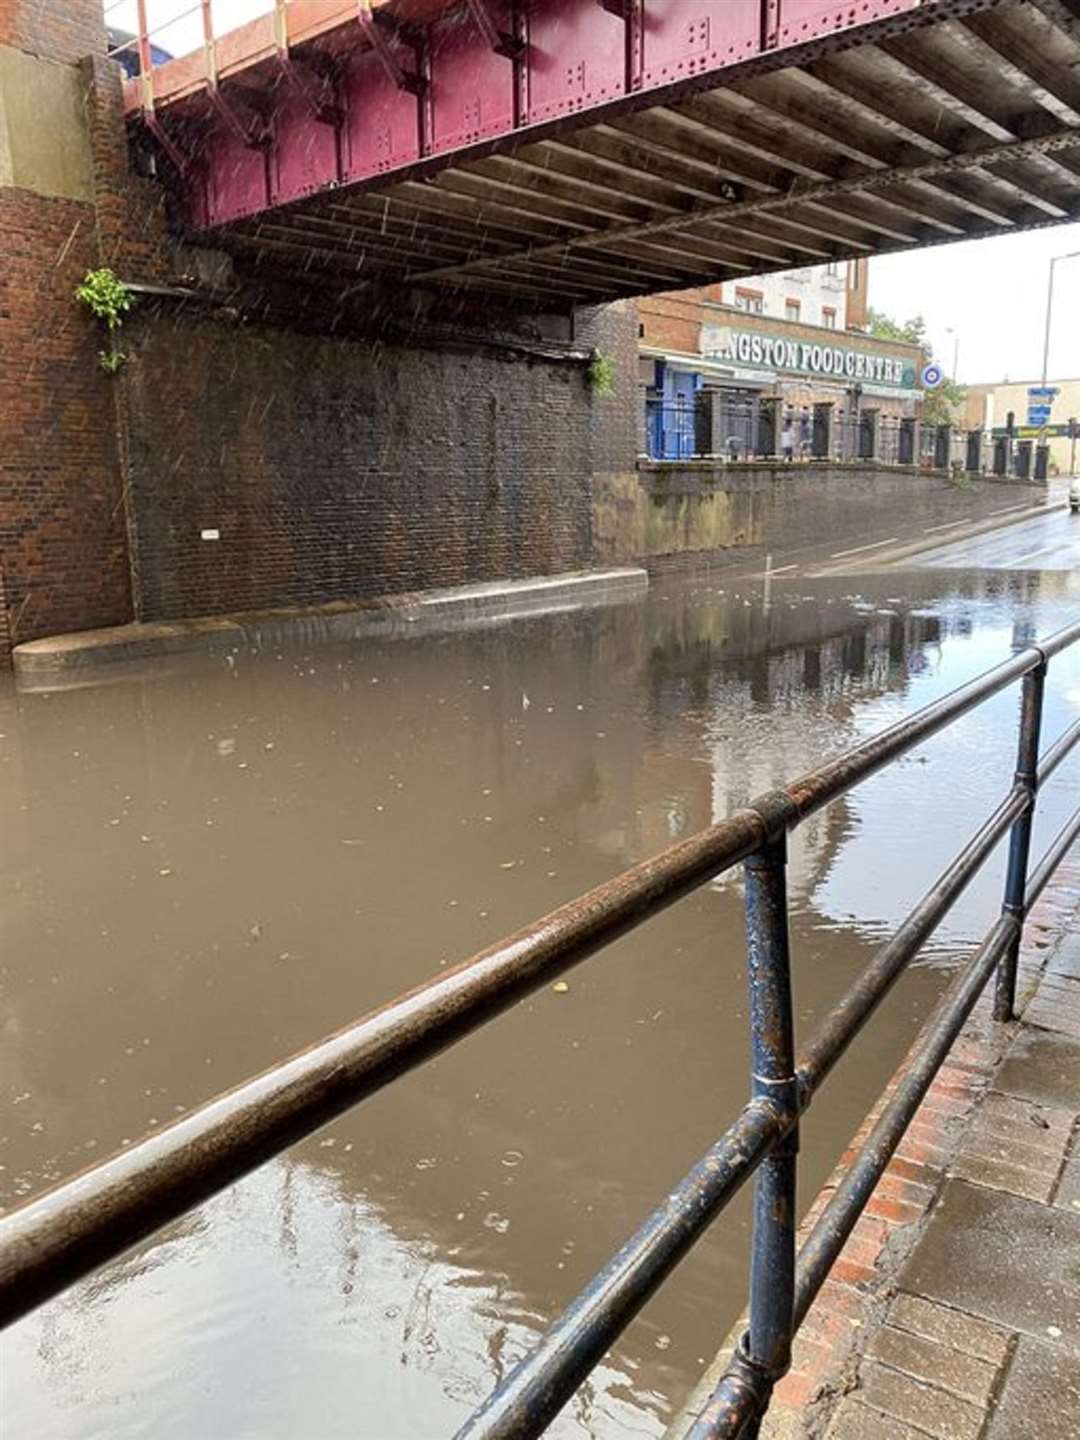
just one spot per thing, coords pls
(1074, 495)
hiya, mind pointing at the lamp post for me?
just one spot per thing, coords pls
(1072, 255)
(950, 330)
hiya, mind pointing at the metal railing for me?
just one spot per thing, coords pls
(51, 1242)
(732, 424)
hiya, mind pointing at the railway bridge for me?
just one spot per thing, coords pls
(557, 153)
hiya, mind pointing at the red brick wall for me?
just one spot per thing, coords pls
(672, 321)
(62, 515)
(54, 29)
(130, 211)
(62, 530)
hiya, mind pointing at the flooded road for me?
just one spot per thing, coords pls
(211, 864)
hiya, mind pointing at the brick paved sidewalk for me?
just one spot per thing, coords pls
(954, 1310)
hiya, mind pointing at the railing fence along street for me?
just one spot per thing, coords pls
(729, 424)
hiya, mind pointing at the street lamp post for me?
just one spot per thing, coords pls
(949, 330)
(1072, 255)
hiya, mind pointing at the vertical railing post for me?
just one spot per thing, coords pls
(146, 62)
(767, 1345)
(1027, 776)
(209, 46)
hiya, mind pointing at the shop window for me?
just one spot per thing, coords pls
(791, 309)
(828, 317)
(751, 301)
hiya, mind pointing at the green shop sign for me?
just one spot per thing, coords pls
(805, 357)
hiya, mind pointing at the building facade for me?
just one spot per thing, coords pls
(776, 365)
(1035, 409)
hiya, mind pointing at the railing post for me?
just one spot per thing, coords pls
(767, 1345)
(146, 61)
(1027, 775)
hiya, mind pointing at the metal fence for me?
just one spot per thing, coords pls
(737, 425)
(51, 1242)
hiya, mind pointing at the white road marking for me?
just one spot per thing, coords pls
(948, 525)
(839, 554)
(779, 570)
(1034, 555)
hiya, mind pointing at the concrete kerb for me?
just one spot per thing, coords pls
(75, 658)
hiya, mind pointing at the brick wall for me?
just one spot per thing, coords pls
(132, 234)
(53, 29)
(673, 321)
(62, 536)
(340, 469)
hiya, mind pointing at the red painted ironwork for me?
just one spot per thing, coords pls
(385, 51)
(381, 130)
(796, 21)
(503, 42)
(576, 58)
(420, 78)
(472, 86)
(686, 37)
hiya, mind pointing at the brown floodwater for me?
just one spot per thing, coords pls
(208, 864)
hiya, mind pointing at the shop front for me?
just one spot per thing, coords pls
(781, 390)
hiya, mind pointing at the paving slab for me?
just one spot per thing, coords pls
(1041, 1400)
(1043, 1067)
(1009, 1260)
(925, 1407)
(950, 1328)
(1067, 959)
(926, 1360)
(855, 1421)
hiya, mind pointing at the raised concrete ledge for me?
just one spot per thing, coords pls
(41, 663)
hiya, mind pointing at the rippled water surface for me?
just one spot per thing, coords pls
(210, 864)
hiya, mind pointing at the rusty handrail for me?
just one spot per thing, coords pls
(52, 1241)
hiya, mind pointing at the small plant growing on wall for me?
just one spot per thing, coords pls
(601, 374)
(108, 299)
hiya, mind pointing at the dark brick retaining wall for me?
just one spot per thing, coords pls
(336, 469)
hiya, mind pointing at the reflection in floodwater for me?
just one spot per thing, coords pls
(210, 865)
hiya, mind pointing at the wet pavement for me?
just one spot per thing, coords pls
(210, 863)
(1051, 542)
(982, 1339)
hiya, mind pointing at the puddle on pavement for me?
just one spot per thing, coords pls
(209, 865)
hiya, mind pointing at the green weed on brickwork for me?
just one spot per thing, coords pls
(108, 299)
(105, 296)
(601, 374)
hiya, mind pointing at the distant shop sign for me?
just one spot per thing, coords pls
(804, 357)
(1033, 432)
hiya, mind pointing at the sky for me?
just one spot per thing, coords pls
(989, 293)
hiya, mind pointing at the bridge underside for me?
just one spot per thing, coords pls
(569, 152)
